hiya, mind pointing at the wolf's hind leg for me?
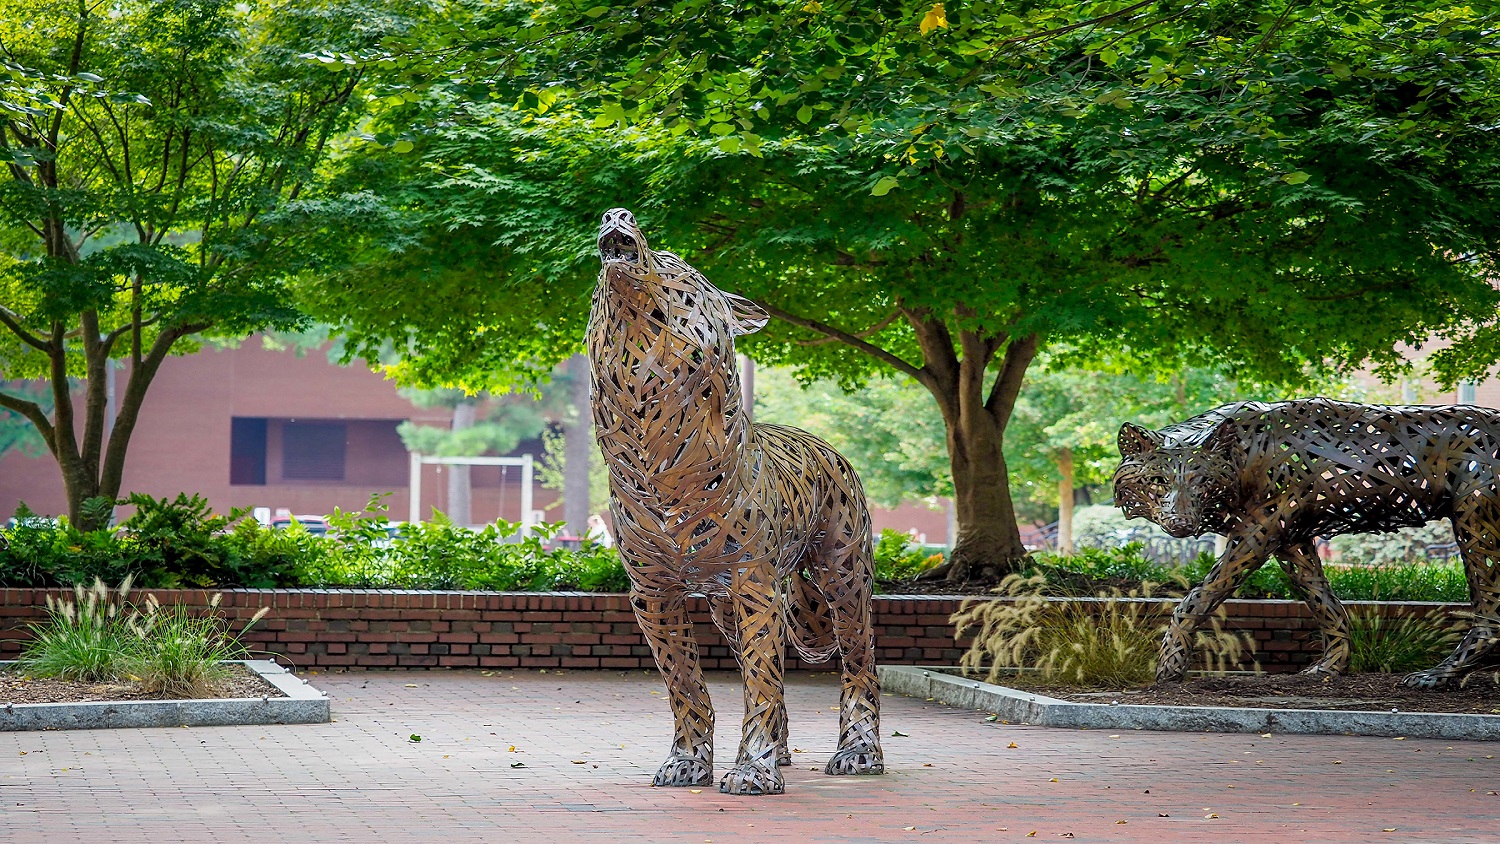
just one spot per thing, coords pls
(1476, 526)
(845, 578)
(1300, 562)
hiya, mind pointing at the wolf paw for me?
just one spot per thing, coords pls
(855, 761)
(1432, 678)
(752, 779)
(681, 771)
(1323, 669)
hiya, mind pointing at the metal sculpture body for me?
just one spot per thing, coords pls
(1272, 477)
(769, 522)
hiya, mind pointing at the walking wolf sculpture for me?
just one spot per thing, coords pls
(1272, 477)
(769, 522)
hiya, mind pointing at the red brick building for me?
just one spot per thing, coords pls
(253, 427)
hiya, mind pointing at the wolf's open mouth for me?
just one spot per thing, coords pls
(618, 246)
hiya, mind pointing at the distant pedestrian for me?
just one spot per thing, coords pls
(598, 532)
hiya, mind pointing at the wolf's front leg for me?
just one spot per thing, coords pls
(762, 638)
(1246, 552)
(663, 618)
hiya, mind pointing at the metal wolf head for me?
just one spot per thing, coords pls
(661, 338)
(1186, 484)
(667, 291)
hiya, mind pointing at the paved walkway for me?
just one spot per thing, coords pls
(586, 743)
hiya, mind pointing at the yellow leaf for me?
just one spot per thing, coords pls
(695, 791)
(580, 761)
(1013, 745)
(935, 18)
(1211, 815)
(1031, 834)
(1054, 779)
(1389, 829)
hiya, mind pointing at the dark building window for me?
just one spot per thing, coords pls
(313, 451)
(247, 451)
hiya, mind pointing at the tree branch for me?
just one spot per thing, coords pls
(868, 332)
(12, 320)
(1018, 356)
(846, 338)
(33, 412)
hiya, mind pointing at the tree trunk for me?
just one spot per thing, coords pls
(460, 507)
(989, 540)
(1065, 501)
(577, 444)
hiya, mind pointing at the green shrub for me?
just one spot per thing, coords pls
(897, 559)
(1111, 642)
(173, 543)
(1414, 581)
(1126, 568)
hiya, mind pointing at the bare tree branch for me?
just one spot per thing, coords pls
(32, 411)
(866, 333)
(12, 320)
(846, 338)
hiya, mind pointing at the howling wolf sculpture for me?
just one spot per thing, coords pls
(1273, 477)
(770, 523)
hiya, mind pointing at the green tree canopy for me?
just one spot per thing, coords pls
(1269, 189)
(160, 186)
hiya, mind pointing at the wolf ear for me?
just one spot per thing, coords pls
(1135, 440)
(1225, 438)
(748, 317)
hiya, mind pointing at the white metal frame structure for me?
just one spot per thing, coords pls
(525, 461)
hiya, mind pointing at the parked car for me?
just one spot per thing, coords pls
(315, 525)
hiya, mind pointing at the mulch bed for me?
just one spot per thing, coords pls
(17, 688)
(1367, 692)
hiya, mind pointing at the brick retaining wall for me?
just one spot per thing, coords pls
(327, 629)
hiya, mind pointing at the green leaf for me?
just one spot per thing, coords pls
(804, 113)
(884, 185)
(1296, 178)
(597, 11)
(403, 146)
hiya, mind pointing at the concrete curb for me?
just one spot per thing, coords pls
(302, 705)
(1020, 707)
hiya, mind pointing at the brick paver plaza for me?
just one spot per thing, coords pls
(586, 743)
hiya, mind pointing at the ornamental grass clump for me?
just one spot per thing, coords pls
(100, 637)
(178, 654)
(1110, 640)
(83, 640)
(1397, 644)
